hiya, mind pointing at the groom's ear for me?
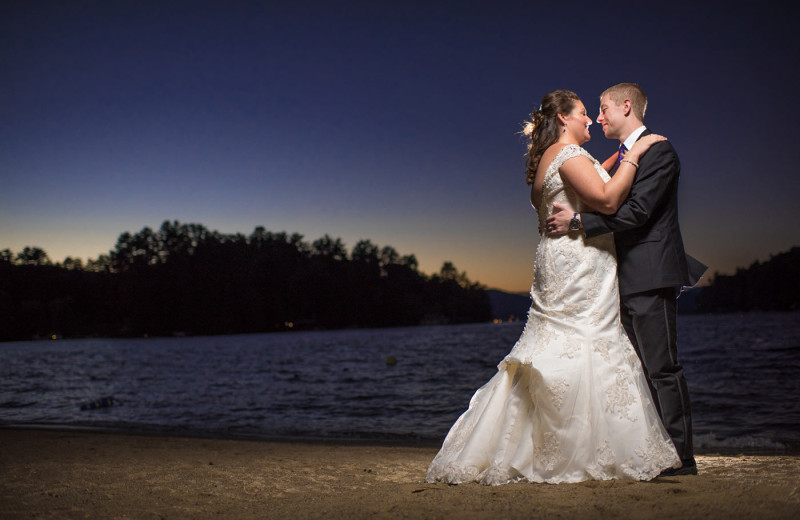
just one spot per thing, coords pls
(627, 106)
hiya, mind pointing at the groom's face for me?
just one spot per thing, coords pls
(611, 118)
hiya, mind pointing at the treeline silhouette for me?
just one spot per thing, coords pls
(770, 286)
(186, 279)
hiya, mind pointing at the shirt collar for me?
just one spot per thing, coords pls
(631, 140)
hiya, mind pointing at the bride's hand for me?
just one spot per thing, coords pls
(642, 145)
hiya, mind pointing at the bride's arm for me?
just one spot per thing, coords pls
(610, 162)
(603, 197)
(606, 197)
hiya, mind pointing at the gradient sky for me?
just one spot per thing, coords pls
(392, 121)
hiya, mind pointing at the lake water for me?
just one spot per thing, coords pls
(743, 372)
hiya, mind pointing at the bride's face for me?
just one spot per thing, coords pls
(578, 123)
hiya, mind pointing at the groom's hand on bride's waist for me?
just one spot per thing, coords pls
(558, 221)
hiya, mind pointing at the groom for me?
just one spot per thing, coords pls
(651, 261)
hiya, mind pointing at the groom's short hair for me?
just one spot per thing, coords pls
(632, 91)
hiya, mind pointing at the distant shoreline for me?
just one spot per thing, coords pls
(518, 319)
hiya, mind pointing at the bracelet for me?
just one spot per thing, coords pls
(629, 161)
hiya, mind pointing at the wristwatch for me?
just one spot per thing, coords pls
(575, 222)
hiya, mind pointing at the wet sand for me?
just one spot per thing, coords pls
(71, 474)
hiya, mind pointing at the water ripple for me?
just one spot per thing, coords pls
(743, 372)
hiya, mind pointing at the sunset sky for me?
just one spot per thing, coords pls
(391, 121)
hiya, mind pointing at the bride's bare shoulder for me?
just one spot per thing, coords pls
(550, 154)
(555, 148)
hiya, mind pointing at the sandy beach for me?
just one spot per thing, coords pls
(72, 474)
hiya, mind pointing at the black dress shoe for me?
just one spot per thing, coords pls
(689, 467)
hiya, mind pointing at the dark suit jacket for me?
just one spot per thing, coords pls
(648, 239)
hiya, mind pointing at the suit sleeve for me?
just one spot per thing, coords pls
(658, 170)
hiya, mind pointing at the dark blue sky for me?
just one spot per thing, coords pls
(391, 121)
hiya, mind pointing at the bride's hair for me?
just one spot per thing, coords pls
(543, 128)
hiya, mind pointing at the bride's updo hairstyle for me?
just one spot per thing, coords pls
(544, 129)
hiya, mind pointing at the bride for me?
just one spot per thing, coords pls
(570, 401)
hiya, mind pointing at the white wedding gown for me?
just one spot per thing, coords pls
(570, 401)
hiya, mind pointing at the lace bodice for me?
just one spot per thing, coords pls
(554, 189)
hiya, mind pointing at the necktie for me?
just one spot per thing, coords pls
(622, 150)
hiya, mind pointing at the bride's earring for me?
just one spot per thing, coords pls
(565, 127)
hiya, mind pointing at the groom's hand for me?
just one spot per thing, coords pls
(558, 221)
